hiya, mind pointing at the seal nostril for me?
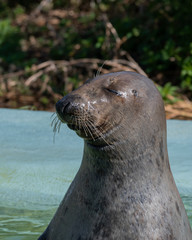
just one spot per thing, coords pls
(67, 104)
(66, 108)
(62, 107)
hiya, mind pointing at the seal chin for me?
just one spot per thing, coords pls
(83, 135)
(80, 132)
(92, 139)
(73, 127)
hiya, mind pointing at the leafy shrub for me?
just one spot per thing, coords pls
(10, 51)
(168, 93)
(158, 35)
(186, 74)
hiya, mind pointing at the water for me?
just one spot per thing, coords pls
(35, 172)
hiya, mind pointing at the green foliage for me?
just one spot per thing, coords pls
(85, 19)
(28, 107)
(6, 30)
(75, 81)
(186, 74)
(18, 10)
(10, 51)
(44, 100)
(158, 34)
(23, 90)
(168, 93)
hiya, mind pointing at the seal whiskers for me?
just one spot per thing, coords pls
(99, 69)
(97, 131)
(56, 124)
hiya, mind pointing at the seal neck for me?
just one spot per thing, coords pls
(129, 157)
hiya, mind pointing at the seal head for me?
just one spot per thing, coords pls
(104, 105)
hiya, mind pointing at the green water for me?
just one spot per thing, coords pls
(35, 172)
(22, 223)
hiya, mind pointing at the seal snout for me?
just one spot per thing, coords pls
(66, 107)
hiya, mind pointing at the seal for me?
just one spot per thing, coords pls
(124, 188)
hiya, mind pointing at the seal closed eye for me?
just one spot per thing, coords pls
(124, 188)
(113, 91)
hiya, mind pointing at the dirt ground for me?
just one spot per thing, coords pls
(180, 110)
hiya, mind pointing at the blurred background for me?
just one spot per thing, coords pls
(50, 47)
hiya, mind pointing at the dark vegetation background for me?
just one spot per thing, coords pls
(48, 48)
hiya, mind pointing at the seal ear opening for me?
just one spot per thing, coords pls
(134, 92)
